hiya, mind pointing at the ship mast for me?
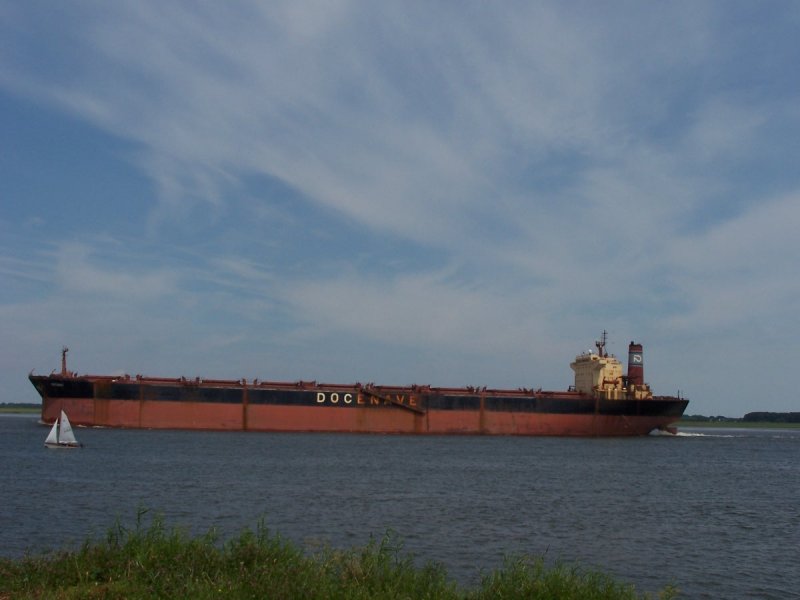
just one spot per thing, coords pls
(601, 344)
(64, 351)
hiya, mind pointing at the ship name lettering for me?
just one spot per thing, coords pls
(349, 398)
(335, 397)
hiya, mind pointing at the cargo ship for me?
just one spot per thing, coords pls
(602, 402)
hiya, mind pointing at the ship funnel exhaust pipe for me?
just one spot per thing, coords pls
(635, 364)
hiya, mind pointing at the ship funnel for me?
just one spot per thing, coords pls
(635, 364)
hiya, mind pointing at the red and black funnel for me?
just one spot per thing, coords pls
(635, 364)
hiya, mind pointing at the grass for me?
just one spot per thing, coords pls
(156, 562)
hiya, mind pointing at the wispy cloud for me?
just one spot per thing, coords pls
(77, 274)
(738, 274)
(327, 109)
(421, 176)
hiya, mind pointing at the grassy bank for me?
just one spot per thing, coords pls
(156, 562)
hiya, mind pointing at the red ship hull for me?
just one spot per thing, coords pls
(307, 407)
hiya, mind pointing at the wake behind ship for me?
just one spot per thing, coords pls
(602, 402)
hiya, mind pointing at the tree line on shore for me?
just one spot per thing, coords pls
(20, 407)
(751, 417)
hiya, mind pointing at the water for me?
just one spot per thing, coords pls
(716, 512)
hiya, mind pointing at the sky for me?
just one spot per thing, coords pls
(443, 193)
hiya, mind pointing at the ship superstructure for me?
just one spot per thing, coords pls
(600, 374)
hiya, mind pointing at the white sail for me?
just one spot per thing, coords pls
(66, 436)
(52, 437)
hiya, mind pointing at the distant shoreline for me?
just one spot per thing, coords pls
(736, 425)
(29, 409)
(20, 409)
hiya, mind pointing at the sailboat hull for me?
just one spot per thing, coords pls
(58, 445)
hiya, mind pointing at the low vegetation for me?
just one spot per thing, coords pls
(751, 419)
(12, 407)
(156, 562)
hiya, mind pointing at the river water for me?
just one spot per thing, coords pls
(715, 512)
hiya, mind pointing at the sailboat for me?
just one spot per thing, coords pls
(61, 435)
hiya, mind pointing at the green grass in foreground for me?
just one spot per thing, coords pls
(154, 562)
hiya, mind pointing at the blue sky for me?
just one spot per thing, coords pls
(451, 193)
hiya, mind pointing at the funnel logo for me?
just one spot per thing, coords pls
(636, 359)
